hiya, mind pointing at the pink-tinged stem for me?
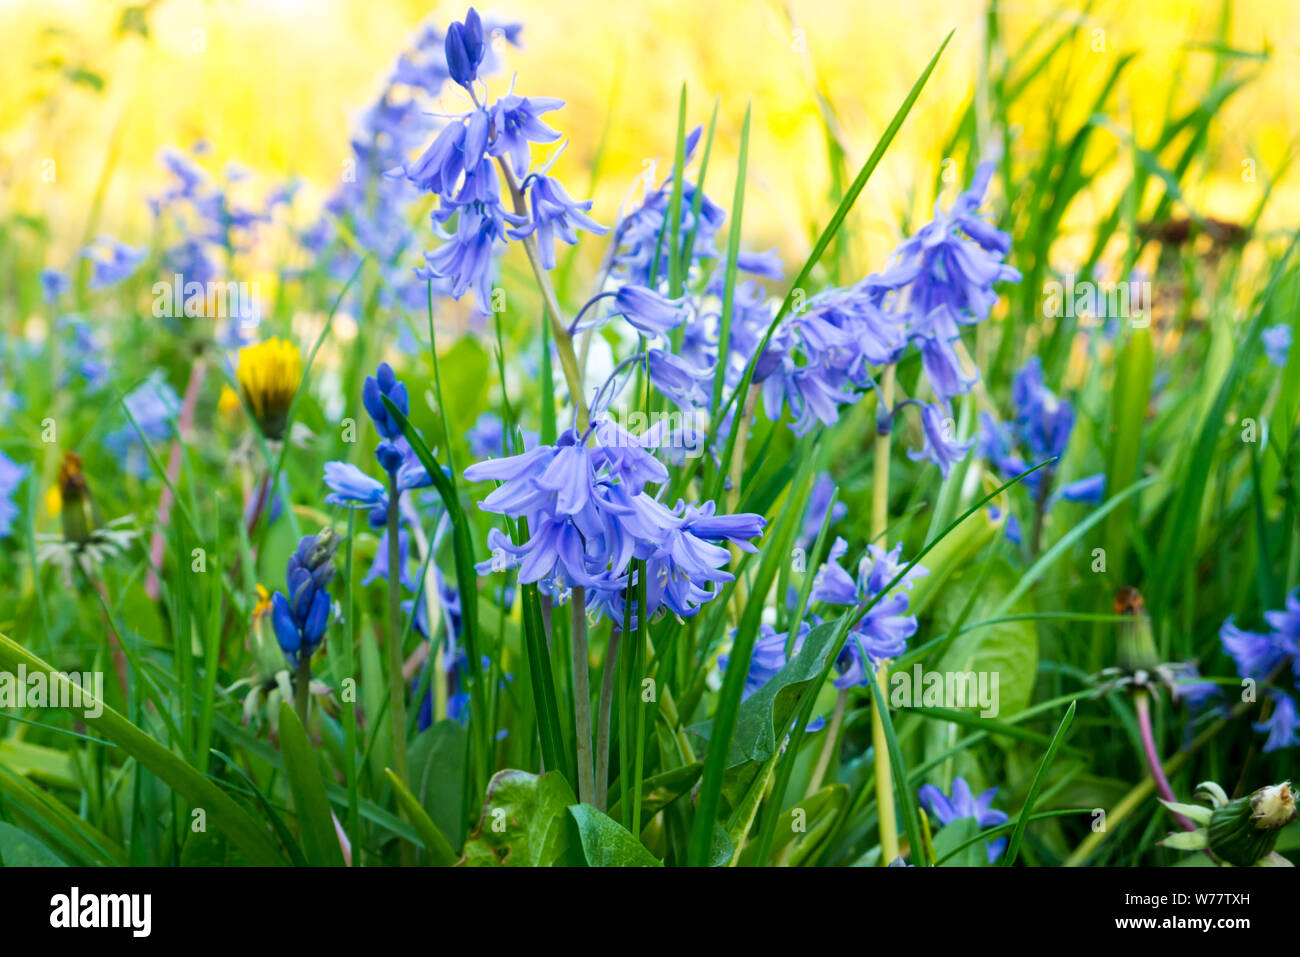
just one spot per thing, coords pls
(183, 426)
(1143, 703)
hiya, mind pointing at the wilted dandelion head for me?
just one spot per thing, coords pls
(268, 374)
(71, 500)
(86, 540)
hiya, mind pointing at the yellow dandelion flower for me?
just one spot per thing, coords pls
(54, 501)
(229, 400)
(269, 374)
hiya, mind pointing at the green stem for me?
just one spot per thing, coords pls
(582, 698)
(602, 718)
(302, 687)
(880, 522)
(828, 746)
(396, 683)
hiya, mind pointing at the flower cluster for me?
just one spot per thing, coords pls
(883, 631)
(351, 487)
(824, 355)
(1258, 654)
(301, 618)
(1041, 428)
(589, 516)
(465, 164)
(373, 213)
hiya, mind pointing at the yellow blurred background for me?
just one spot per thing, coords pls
(277, 84)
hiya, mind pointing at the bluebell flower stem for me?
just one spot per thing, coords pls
(302, 687)
(563, 341)
(829, 745)
(582, 698)
(603, 717)
(879, 523)
(396, 683)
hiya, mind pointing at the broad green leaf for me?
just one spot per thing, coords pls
(606, 843)
(436, 764)
(524, 822)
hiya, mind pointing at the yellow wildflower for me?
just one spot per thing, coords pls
(269, 374)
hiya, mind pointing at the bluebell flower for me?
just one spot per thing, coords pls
(385, 383)
(642, 238)
(1090, 490)
(648, 311)
(353, 488)
(517, 125)
(11, 475)
(953, 262)
(883, 631)
(1045, 421)
(940, 447)
(819, 500)
(111, 261)
(1282, 726)
(589, 515)
(53, 284)
(963, 804)
(465, 48)
(1254, 654)
(686, 385)
(768, 656)
(1277, 343)
(1286, 623)
(555, 214)
(301, 618)
(379, 567)
(1187, 686)
(467, 259)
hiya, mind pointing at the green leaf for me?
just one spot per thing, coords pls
(524, 822)
(958, 844)
(1008, 649)
(606, 843)
(661, 790)
(440, 852)
(20, 849)
(436, 765)
(772, 706)
(320, 842)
